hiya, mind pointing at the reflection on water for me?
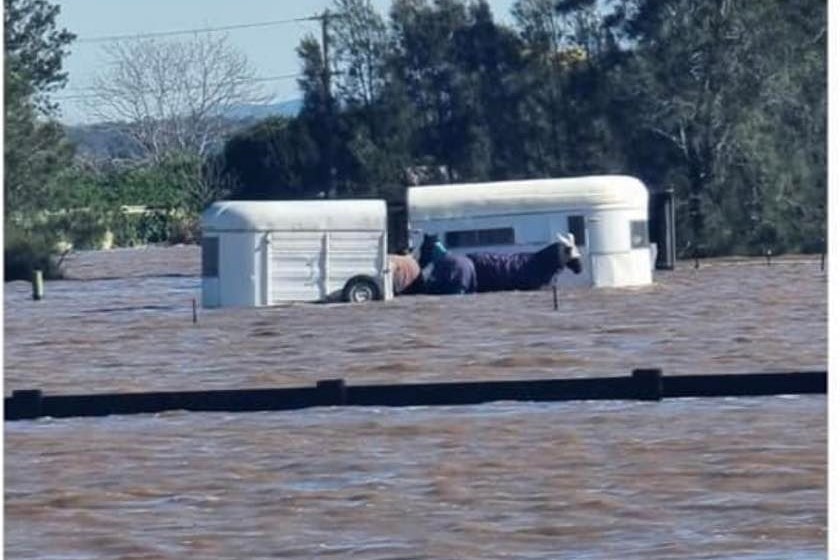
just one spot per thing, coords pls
(693, 478)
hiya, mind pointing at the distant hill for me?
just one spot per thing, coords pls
(285, 109)
(103, 141)
(111, 141)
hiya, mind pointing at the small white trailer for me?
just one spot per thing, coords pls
(257, 253)
(607, 214)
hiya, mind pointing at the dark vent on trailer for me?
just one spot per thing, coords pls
(639, 234)
(210, 257)
(577, 227)
(480, 237)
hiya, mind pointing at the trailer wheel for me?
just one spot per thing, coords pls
(360, 289)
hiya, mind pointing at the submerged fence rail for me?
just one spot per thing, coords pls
(643, 384)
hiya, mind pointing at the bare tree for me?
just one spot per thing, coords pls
(175, 94)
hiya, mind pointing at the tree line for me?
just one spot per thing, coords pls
(723, 101)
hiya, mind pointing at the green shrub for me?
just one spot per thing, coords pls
(84, 229)
(124, 229)
(184, 229)
(154, 227)
(28, 250)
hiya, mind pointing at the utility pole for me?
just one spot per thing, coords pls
(328, 105)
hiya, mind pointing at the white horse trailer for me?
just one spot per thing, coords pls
(608, 216)
(266, 253)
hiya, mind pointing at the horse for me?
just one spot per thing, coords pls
(407, 275)
(526, 271)
(445, 273)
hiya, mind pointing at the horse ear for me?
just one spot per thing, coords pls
(575, 252)
(569, 241)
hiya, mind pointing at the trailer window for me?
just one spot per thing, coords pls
(210, 257)
(501, 236)
(480, 237)
(577, 227)
(639, 234)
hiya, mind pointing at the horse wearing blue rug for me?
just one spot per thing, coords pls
(498, 272)
(445, 273)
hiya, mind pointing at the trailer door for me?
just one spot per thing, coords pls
(296, 266)
(354, 253)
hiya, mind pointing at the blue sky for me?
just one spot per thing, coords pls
(271, 50)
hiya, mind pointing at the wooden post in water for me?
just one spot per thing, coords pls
(25, 404)
(822, 256)
(37, 285)
(331, 392)
(554, 289)
(195, 312)
(648, 384)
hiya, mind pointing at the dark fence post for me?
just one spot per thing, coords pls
(37, 285)
(26, 404)
(332, 392)
(648, 383)
(822, 255)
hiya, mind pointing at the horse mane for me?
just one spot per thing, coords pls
(427, 248)
(552, 256)
(559, 253)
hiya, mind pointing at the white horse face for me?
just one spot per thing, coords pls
(574, 261)
(568, 240)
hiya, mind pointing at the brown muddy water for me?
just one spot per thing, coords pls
(690, 478)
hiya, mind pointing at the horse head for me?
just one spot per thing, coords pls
(569, 256)
(431, 249)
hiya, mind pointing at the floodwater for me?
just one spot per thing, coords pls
(685, 478)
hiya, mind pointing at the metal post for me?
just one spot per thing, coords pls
(328, 105)
(662, 223)
(822, 256)
(37, 285)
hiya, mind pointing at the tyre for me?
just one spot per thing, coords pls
(360, 289)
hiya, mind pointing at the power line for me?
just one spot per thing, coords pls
(110, 38)
(248, 80)
(95, 95)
